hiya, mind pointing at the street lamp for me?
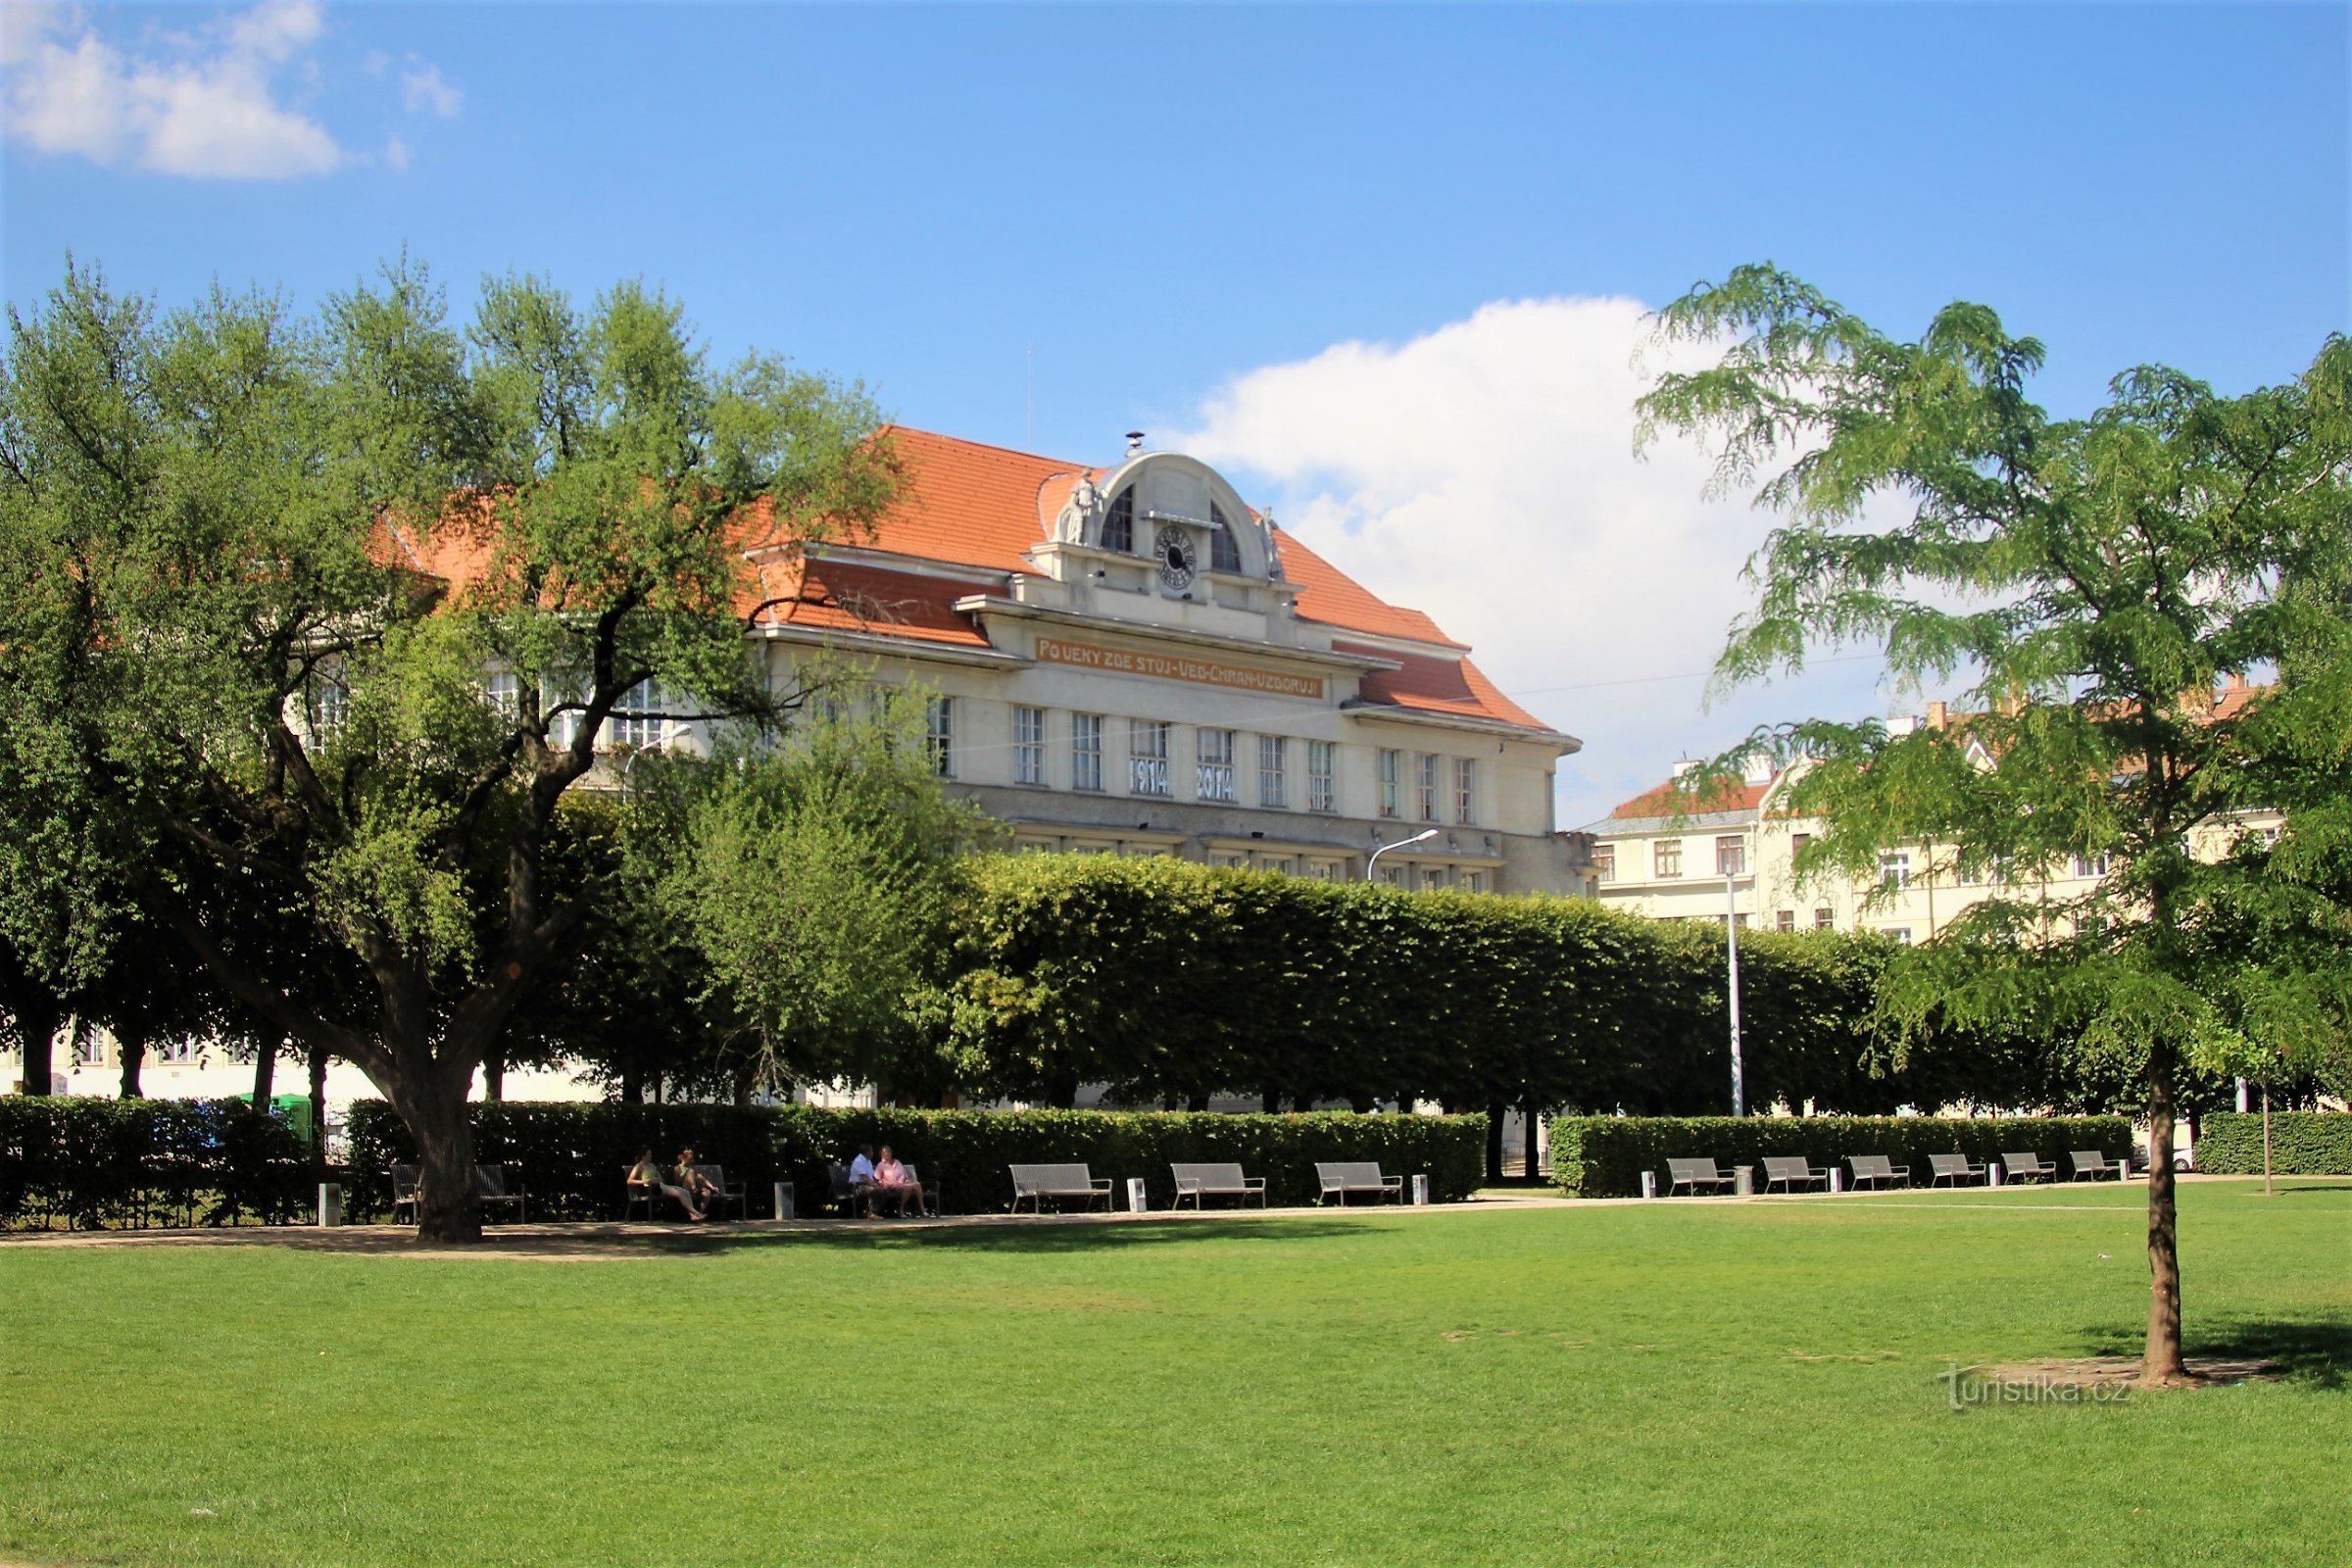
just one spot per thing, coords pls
(1422, 837)
(1731, 947)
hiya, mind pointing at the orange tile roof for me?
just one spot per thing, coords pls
(1669, 799)
(1331, 596)
(846, 595)
(1433, 684)
(968, 504)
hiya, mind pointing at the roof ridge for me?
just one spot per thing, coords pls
(986, 446)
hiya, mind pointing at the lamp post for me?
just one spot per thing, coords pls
(1731, 947)
(1422, 837)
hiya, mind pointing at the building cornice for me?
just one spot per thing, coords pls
(988, 605)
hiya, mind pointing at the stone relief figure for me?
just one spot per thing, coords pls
(1265, 521)
(1070, 525)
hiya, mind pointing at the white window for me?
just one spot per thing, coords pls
(1822, 919)
(1895, 870)
(1392, 781)
(636, 720)
(1604, 861)
(506, 694)
(1666, 858)
(1474, 881)
(1322, 791)
(2094, 866)
(1147, 757)
(939, 737)
(1785, 920)
(1465, 790)
(1085, 752)
(1433, 876)
(1273, 771)
(1901, 933)
(330, 708)
(1730, 856)
(1213, 751)
(1392, 874)
(1425, 786)
(1028, 745)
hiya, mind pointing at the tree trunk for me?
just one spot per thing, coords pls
(1302, 1104)
(1197, 1102)
(1495, 1114)
(264, 1072)
(1270, 1102)
(131, 1048)
(318, 1107)
(1534, 1155)
(37, 1021)
(494, 1077)
(632, 1087)
(446, 1210)
(1364, 1105)
(2161, 1366)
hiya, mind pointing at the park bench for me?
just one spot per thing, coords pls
(651, 1196)
(2026, 1168)
(1062, 1183)
(1694, 1174)
(1789, 1170)
(929, 1189)
(490, 1185)
(2091, 1164)
(1955, 1169)
(1876, 1168)
(404, 1193)
(1201, 1181)
(717, 1176)
(1346, 1177)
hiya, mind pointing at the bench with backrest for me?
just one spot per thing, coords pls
(1198, 1181)
(1343, 1177)
(2026, 1168)
(2093, 1163)
(1062, 1183)
(651, 1196)
(1696, 1174)
(404, 1193)
(1955, 1168)
(499, 1185)
(717, 1176)
(929, 1189)
(1791, 1171)
(1877, 1170)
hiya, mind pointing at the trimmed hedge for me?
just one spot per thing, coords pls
(98, 1163)
(2303, 1143)
(1604, 1156)
(572, 1155)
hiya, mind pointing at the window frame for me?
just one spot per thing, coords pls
(1148, 769)
(1028, 745)
(1274, 772)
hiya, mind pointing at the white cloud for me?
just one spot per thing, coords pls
(422, 89)
(1485, 472)
(207, 104)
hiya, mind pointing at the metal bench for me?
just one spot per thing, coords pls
(1345, 1177)
(1955, 1168)
(2092, 1164)
(1791, 1170)
(717, 1176)
(1062, 1183)
(929, 1189)
(1201, 1181)
(404, 1193)
(1694, 1174)
(1876, 1170)
(2026, 1168)
(491, 1185)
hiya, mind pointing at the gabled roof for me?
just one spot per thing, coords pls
(1433, 684)
(1671, 800)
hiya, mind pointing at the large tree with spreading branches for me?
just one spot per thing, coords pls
(2093, 585)
(326, 614)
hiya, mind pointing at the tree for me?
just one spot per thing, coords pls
(2098, 579)
(342, 606)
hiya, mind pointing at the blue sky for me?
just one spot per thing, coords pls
(1168, 212)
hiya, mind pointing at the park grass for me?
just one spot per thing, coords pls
(1685, 1383)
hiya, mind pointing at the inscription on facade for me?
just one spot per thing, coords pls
(1163, 667)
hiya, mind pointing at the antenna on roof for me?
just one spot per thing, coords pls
(1135, 442)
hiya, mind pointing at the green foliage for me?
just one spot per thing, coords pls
(2303, 1143)
(1604, 1156)
(94, 1164)
(572, 1156)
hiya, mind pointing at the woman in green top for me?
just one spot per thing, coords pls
(647, 1175)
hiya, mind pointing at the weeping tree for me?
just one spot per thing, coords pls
(330, 612)
(2154, 606)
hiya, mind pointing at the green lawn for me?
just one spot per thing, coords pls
(1683, 1383)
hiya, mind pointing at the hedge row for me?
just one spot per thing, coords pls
(572, 1155)
(2303, 1143)
(93, 1164)
(1604, 1156)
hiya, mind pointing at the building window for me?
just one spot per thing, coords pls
(1425, 786)
(1391, 769)
(1214, 752)
(1730, 856)
(1322, 789)
(1797, 842)
(636, 720)
(1666, 858)
(939, 738)
(1465, 790)
(1147, 757)
(1474, 881)
(1901, 935)
(506, 694)
(1895, 870)
(1028, 745)
(330, 709)
(1822, 919)
(1273, 771)
(1433, 876)
(1785, 920)
(1118, 523)
(1284, 864)
(2093, 865)
(1392, 874)
(1224, 555)
(1085, 752)
(1604, 861)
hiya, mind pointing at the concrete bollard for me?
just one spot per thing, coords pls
(330, 1203)
(1137, 1203)
(1744, 1181)
(1649, 1184)
(1836, 1178)
(1421, 1190)
(784, 1203)
(1992, 1173)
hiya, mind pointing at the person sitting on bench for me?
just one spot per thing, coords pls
(893, 1188)
(689, 1176)
(648, 1175)
(861, 1180)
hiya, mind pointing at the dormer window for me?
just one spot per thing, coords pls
(1224, 555)
(1118, 523)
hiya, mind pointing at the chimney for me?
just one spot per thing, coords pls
(2237, 680)
(1937, 716)
(1135, 442)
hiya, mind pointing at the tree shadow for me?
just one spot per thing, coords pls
(1047, 1237)
(2314, 1351)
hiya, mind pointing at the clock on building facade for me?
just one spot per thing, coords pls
(1178, 559)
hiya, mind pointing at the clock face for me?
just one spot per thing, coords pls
(1177, 559)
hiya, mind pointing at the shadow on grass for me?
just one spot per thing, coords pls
(2312, 1352)
(1041, 1238)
